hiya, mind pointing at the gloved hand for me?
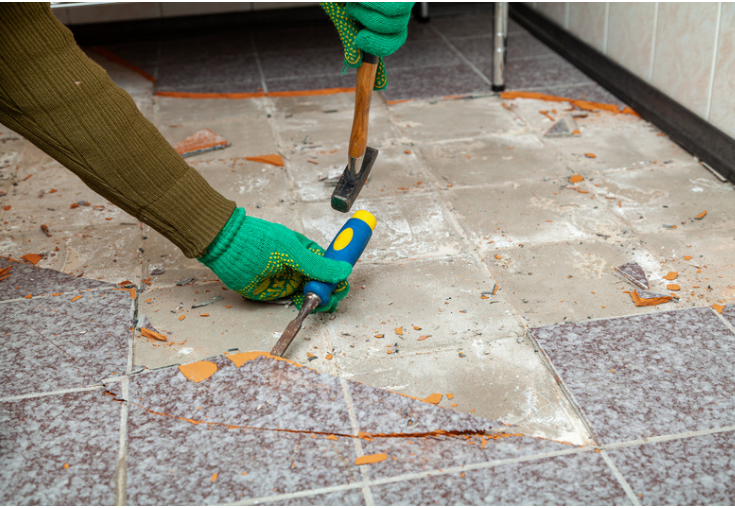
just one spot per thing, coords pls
(262, 260)
(384, 30)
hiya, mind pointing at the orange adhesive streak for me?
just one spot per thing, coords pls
(370, 459)
(272, 158)
(198, 371)
(585, 105)
(121, 61)
(239, 359)
(76, 298)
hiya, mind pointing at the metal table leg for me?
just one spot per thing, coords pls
(500, 41)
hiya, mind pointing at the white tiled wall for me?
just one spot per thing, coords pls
(685, 49)
(127, 11)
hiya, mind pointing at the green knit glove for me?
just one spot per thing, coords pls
(262, 260)
(385, 30)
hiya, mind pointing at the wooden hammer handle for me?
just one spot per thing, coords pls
(363, 95)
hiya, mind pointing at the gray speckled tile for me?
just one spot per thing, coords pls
(586, 91)
(53, 343)
(427, 82)
(692, 471)
(59, 450)
(406, 421)
(633, 273)
(647, 375)
(578, 479)
(25, 278)
(251, 426)
(538, 72)
(729, 313)
(353, 497)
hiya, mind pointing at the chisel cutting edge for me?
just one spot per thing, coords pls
(348, 246)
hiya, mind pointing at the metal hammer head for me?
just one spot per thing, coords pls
(352, 180)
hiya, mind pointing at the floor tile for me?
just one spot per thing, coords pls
(241, 72)
(171, 110)
(353, 497)
(586, 91)
(81, 342)
(303, 63)
(479, 23)
(414, 226)
(729, 313)
(538, 72)
(519, 45)
(204, 49)
(433, 82)
(582, 479)
(271, 43)
(641, 376)
(59, 449)
(691, 471)
(292, 84)
(25, 279)
(239, 442)
(501, 379)
(422, 54)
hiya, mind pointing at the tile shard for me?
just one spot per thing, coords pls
(271, 158)
(563, 128)
(200, 142)
(646, 298)
(633, 273)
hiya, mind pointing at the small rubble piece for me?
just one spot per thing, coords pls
(198, 371)
(564, 128)
(370, 459)
(185, 282)
(576, 178)
(671, 275)
(633, 273)
(200, 142)
(646, 298)
(216, 299)
(701, 215)
(158, 271)
(271, 158)
(434, 398)
(150, 334)
(718, 308)
(32, 258)
(45, 230)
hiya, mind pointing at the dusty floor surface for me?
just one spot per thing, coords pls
(483, 245)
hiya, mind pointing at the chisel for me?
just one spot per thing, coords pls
(346, 246)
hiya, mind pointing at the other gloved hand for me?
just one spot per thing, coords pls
(263, 260)
(384, 30)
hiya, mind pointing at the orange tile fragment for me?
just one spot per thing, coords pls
(576, 178)
(7, 207)
(66, 465)
(370, 459)
(76, 298)
(718, 308)
(434, 398)
(182, 317)
(29, 296)
(450, 396)
(687, 258)
(214, 477)
(454, 405)
(332, 437)
(424, 337)
(56, 294)
(201, 141)
(380, 336)
(273, 158)
(416, 327)
(407, 152)
(590, 155)
(673, 287)
(671, 275)
(329, 356)
(497, 256)
(399, 331)
(145, 332)
(198, 371)
(701, 215)
(32, 258)
(206, 314)
(644, 302)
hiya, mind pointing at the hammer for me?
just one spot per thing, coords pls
(361, 157)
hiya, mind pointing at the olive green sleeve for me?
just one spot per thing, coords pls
(61, 101)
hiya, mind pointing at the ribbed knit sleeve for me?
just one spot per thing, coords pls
(64, 103)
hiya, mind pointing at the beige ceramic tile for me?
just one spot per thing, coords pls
(503, 380)
(420, 121)
(408, 227)
(722, 111)
(104, 13)
(170, 111)
(587, 21)
(668, 195)
(630, 35)
(394, 172)
(173, 9)
(555, 11)
(439, 300)
(685, 41)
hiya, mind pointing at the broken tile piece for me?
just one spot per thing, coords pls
(200, 142)
(272, 158)
(633, 273)
(671, 276)
(563, 128)
(198, 371)
(646, 298)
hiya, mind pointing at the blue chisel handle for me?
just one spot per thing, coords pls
(346, 246)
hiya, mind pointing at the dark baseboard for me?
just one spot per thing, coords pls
(712, 146)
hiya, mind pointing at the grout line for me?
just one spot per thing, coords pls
(668, 437)
(358, 444)
(14, 398)
(121, 476)
(260, 67)
(461, 56)
(653, 41)
(711, 87)
(621, 480)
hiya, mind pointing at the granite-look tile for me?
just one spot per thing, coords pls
(585, 91)
(413, 226)
(353, 497)
(421, 54)
(144, 54)
(59, 449)
(273, 43)
(579, 479)
(306, 83)
(630, 36)
(170, 110)
(587, 21)
(492, 160)
(395, 173)
(433, 82)
(691, 471)
(468, 118)
(205, 49)
(555, 11)
(538, 72)
(487, 376)
(642, 376)
(25, 278)
(685, 41)
(303, 63)
(231, 69)
(520, 46)
(479, 23)
(257, 435)
(633, 273)
(729, 313)
(722, 99)
(81, 342)
(248, 85)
